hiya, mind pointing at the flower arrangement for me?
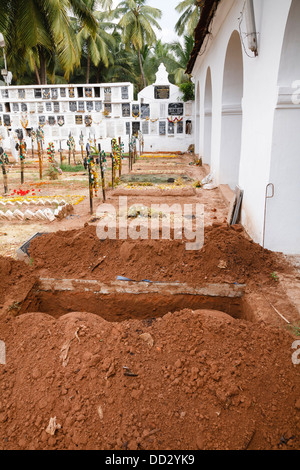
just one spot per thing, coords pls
(116, 153)
(175, 120)
(71, 143)
(54, 168)
(94, 180)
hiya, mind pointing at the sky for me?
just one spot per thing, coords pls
(169, 18)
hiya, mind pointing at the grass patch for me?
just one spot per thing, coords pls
(72, 169)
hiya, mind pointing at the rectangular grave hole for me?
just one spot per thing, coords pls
(122, 307)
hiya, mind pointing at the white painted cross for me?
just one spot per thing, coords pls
(2, 353)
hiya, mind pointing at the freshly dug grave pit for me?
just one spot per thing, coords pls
(121, 307)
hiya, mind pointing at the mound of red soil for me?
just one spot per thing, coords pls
(191, 380)
(15, 278)
(227, 256)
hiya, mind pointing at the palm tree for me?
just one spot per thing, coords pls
(96, 46)
(36, 31)
(189, 19)
(182, 56)
(137, 22)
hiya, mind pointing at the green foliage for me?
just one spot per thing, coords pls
(71, 169)
(97, 44)
(189, 19)
(275, 277)
(188, 90)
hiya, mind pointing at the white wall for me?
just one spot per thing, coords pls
(258, 146)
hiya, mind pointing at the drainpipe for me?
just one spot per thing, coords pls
(251, 27)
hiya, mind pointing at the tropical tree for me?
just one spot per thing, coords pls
(96, 46)
(190, 14)
(182, 53)
(137, 23)
(36, 31)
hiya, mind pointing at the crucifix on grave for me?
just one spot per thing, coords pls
(3, 162)
(40, 140)
(21, 147)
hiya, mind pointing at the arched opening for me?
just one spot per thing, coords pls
(197, 132)
(282, 221)
(232, 116)
(207, 118)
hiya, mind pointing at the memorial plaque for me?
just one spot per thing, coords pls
(1, 108)
(42, 120)
(125, 93)
(145, 111)
(98, 106)
(49, 107)
(161, 92)
(15, 107)
(32, 108)
(180, 127)
(89, 106)
(135, 110)
(24, 108)
(79, 120)
(81, 106)
(162, 128)
(126, 110)
(171, 128)
(63, 93)
(188, 109)
(127, 128)
(175, 109)
(38, 93)
(56, 107)
(136, 127)
(4, 93)
(71, 92)
(6, 120)
(88, 92)
(73, 106)
(61, 120)
(54, 93)
(51, 121)
(22, 94)
(88, 121)
(107, 108)
(46, 94)
(188, 127)
(107, 94)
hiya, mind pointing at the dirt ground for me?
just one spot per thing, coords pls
(153, 372)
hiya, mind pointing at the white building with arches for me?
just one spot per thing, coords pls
(246, 67)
